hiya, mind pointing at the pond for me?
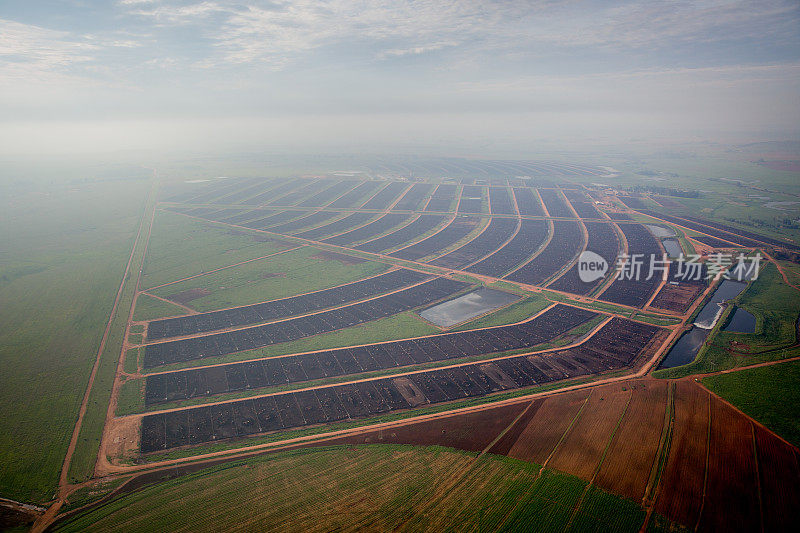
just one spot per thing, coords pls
(468, 306)
(727, 290)
(742, 322)
(672, 246)
(660, 231)
(744, 271)
(685, 350)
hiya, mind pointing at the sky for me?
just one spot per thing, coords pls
(467, 76)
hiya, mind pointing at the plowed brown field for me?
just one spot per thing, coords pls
(626, 468)
(472, 431)
(616, 431)
(583, 446)
(778, 469)
(732, 488)
(540, 437)
(681, 487)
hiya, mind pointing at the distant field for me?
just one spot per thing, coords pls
(181, 246)
(770, 394)
(62, 261)
(149, 308)
(669, 444)
(366, 487)
(288, 274)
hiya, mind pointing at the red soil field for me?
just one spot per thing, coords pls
(627, 465)
(541, 428)
(778, 470)
(732, 488)
(676, 297)
(472, 431)
(681, 485)
(583, 446)
(504, 443)
(537, 441)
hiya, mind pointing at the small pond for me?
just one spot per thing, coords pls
(660, 231)
(741, 322)
(685, 350)
(468, 306)
(672, 246)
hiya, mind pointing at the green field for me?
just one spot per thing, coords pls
(377, 487)
(288, 274)
(62, 261)
(149, 308)
(516, 312)
(181, 246)
(83, 460)
(776, 307)
(722, 199)
(770, 394)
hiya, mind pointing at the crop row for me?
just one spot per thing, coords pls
(346, 361)
(422, 225)
(635, 289)
(411, 200)
(530, 237)
(564, 245)
(285, 307)
(603, 240)
(301, 327)
(497, 232)
(442, 198)
(458, 228)
(620, 343)
(386, 196)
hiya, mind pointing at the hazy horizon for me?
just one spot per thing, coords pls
(500, 77)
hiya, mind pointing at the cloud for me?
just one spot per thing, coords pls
(30, 52)
(416, 50)
(277, 33)
(177, 15)
(162, 58)
(667, 24)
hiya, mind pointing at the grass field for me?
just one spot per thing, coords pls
(288, 274)
(61, 264)
(148, 308)
(181, 246)
(792, 271)
(776, 307)
(516, 312)
(85, 455)
(376, 487)
(770, 394)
